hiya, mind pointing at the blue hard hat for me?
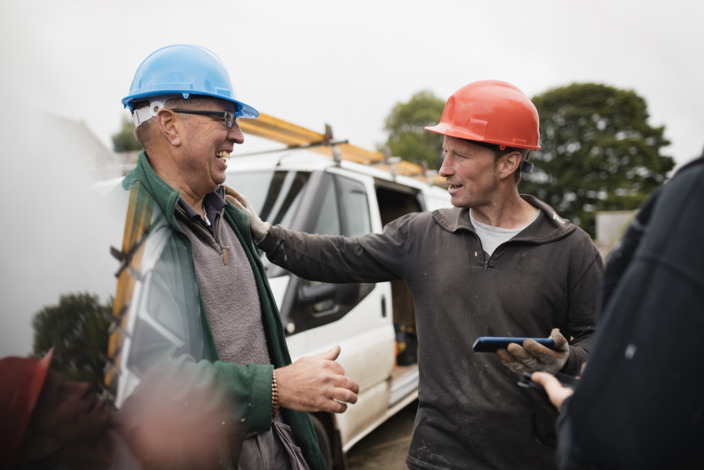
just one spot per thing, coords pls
(186, 70)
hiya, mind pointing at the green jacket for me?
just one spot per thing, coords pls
(242, 398)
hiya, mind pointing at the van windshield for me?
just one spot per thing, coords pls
(275, 196)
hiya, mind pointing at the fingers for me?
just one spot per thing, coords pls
(348, 391)
(316, 383)
(336, 407)
(332, 354)
(560, 341)
(234, 201)
(555, 390)
(539, 350)
(236, 198)
(531, 356)
(524, 355)
(340, 397)
(504, 355)
(544, 379)
(511, 361)
(334, 398)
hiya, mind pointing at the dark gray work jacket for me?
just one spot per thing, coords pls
(471, 413)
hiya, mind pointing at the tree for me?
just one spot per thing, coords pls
(77, 328)
(125, 141)
(406, 123)
(598, 152)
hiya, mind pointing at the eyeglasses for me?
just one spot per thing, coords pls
(228, 116)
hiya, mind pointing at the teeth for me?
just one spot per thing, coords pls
(223, 154)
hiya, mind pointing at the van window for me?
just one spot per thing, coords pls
(344, 209)
(331, 205)
(275, 195)
(341, 208)
(328, 223)
(354, 207)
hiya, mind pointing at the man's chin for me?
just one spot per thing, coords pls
(218, 180)
(458, 201)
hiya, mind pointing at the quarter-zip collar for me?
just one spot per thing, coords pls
(547, 227)
(213, 203)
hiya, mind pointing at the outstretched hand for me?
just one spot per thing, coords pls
(316, 383)
(531, 356)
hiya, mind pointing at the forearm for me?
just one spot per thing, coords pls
(582, 317)
(189, 393)
(323, 258)
(579, 331)
(579, 353)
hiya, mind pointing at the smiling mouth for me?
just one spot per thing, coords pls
(223, 155)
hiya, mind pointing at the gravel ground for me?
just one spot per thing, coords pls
(386, 447)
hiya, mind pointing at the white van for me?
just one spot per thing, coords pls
(373, 323)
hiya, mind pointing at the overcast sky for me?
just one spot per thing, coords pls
(314, 62)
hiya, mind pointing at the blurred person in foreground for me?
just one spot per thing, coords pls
(497, 264)
(638, 403)
(48, 423)
(210, 351)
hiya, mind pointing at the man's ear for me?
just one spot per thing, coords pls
(509, 164)
(168, 126)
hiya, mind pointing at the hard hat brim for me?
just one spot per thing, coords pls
(445, 129)
(243, 110)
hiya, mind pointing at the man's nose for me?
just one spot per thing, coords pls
(235, 134)
(446, 168)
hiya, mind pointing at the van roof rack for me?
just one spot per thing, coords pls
(296, 137)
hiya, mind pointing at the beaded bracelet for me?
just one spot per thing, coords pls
(274, 396)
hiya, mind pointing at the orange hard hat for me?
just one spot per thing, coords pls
(21, 382)
(491, 111)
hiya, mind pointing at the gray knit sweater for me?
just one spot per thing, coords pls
(222, 268)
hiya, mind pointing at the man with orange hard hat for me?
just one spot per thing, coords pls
(497, 264)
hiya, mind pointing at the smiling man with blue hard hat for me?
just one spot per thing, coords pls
(230, 356)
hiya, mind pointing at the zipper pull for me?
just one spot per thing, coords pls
(227, 252)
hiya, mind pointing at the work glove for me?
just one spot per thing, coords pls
(257, 226)
(531, 356)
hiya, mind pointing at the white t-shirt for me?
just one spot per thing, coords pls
(491, 237)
